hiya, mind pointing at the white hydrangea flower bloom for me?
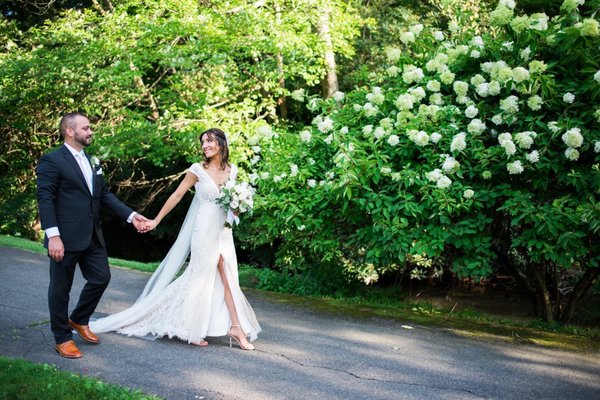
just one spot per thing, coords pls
(435, 137)
(573, 138)
(407, 37)
(311, 183)
(524, 139)
(434, 175)
(483, 89)
(386, 123)
(475, 54)
(450, 165)
(520, 74)
(393, 54)
(393, 140)
(256, 149)
(386, 170)
(535, 102)
(444, 182)
(379, 132)
(459, 142)
(434, 86)
(357, 107)
(370, 110)
(453, 26)
(494, 88)
(471, 112)
(553, 126)
(468, 194)
(298, 95)
(510, 104)
(597, 76)
(305, 136)
(313, 104)
(338, 96)
(328, 139)
(476, 126)
(420, 138)
(344, 130)
(436, 99)
(293, 170)
(326, 125)
(405, 102)
(393, 71)
(416, 29)
(533, 157)
(447, 77)
(497, 119)
(460, 88)
(417, 93)
(254, 160)
(525, 53)
(510, 4)
(597, 146)
(515, 167)
(412, 74)
(277, 178)
(572, 154)
(439, 36)
(568, 98)
(367, 129)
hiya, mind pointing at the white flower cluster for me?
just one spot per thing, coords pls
(376, 96)
(237, 196)
(515, 167)
(441, 180)
(412, 74)
(324, 125)
(574, 139)
(459, 142)
(525, 139)
(505, 140)
(420, 138)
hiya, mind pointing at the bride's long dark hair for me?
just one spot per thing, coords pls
(219, 136)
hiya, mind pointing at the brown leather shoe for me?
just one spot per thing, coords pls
(85, 333)
(68, 349)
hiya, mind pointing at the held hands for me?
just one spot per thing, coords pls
(150, 225)
(139, 222)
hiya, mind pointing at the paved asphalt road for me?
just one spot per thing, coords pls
(300, 354)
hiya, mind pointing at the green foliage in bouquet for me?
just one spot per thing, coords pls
(469, 152)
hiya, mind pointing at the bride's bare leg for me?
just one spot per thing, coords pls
(236, 330)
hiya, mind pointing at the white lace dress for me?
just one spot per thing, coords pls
(192, 306)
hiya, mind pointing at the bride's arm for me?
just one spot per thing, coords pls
(185, 185)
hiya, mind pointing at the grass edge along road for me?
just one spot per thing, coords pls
(24, 380)
(466, 323)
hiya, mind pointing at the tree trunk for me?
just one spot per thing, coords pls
(544, 301)
(581, 288)
(330, 83)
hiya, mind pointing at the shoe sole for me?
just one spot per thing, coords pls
(65, 356)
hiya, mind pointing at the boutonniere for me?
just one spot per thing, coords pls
(95, 162)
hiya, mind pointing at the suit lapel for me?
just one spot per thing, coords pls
(73, 163)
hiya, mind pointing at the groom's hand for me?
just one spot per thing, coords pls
(56, 248)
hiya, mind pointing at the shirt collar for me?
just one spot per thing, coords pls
(73, 151)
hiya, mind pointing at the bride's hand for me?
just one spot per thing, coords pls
(150, 225)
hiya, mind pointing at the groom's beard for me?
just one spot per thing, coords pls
(83, 140)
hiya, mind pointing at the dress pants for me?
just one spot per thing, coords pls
(93, 263)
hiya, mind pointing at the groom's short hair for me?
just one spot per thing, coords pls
(67, 121)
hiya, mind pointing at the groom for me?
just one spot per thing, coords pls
(70, 193)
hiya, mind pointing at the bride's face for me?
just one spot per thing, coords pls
(210, 146)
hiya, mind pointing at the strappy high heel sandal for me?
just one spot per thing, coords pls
(231, 336)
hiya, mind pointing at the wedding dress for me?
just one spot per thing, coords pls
(191, 306)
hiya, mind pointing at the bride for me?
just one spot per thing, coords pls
(206, 300)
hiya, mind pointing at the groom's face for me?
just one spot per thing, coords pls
(81, 132)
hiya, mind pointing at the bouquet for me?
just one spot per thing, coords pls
(236, 198)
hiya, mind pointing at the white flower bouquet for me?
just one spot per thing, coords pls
(236, 198)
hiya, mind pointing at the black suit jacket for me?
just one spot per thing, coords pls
(65, 201)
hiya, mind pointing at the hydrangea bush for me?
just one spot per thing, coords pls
(468, 151)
